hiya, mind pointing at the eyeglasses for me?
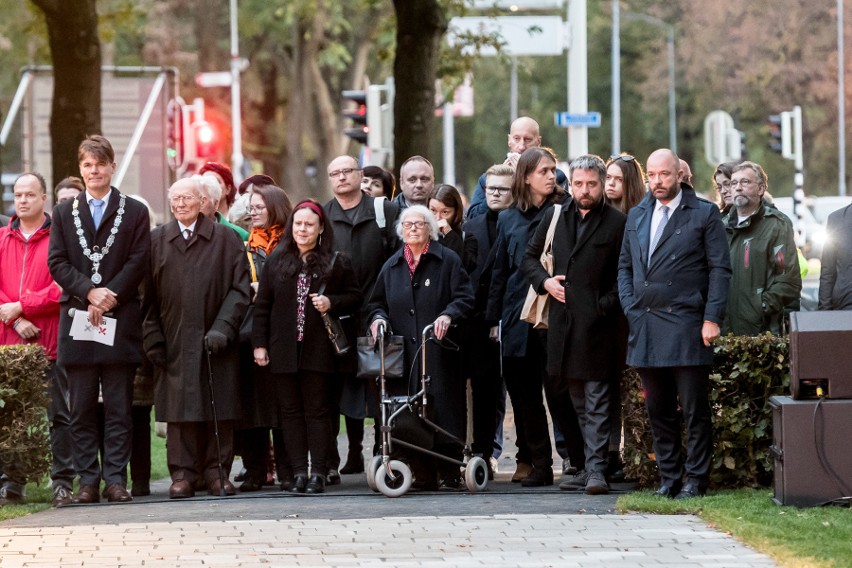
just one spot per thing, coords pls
(413, 224)
(256, 208)
(183, 198)
(497, 189)
(624, 157)
(744, 183)
(723, 185)
(346, 172)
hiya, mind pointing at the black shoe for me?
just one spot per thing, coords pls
(354, 464)
(691, 490)
(333, 477)
(667, 490)
(140, 489)
(300, 484)
(250, 484)
(240, 476)
(287, 484)
(451, 484)
(539, 477)
(615, 468)
(316, 484)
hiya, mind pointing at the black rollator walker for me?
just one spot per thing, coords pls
(405, 423)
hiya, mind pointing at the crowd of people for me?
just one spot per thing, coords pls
(220, 324)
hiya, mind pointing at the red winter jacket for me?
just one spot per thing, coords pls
(24, 277)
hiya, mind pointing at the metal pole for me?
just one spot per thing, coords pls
(672, 115)
(23, 87)
(153, 98)
(841, 105)
(616, 77)
(513, 111)
(236, 116)
(449, 145)
(578, 77)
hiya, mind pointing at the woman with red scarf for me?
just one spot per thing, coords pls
(422, 284)
(269, 209)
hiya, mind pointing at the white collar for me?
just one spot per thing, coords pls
(672, 205)
(184, 227)
(105, 198)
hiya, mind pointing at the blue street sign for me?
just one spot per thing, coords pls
(567, 119)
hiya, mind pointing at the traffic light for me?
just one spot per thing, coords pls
(776, 133)
(358, 115)
(174, 133)
(206, 140)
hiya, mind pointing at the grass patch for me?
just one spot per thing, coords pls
(40, 494)
(816, 537)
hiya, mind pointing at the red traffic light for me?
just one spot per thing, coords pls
(206, 139)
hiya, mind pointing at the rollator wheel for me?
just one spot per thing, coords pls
(375, 463)
(476, 475)
(394, 487)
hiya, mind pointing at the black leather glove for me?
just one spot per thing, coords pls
(216, 341)
(157, 356)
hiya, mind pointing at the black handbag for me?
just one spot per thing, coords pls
(332, 324)
(370, 361)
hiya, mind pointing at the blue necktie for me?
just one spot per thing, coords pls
(664, 210)
(97, 215)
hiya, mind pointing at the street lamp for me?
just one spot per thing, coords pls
(671, 58)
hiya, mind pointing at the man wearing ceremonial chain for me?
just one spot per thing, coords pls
(99, 251)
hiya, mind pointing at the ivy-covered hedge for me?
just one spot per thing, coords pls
(24, 431)
(746, 372)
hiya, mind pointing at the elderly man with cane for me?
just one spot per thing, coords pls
(196, 296)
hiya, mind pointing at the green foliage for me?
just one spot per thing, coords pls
(816, 537)
(746, 372)
(24, 435)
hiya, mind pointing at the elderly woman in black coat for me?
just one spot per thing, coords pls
(424, 283)
(303, 279)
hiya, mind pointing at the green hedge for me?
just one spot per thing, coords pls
(746, 372)
(24, 431)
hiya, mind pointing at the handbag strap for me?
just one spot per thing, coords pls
(321, 289)
(551, 230)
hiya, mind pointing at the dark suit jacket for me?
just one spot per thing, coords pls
(582, 333)
(122, 271)
(835, 277)
(686, 283)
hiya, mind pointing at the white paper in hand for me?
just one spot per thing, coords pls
(83, 330)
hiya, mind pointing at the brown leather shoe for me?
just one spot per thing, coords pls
(117, 493)
(86, 495)
(181, 489)
(214, 486)
(521, 472)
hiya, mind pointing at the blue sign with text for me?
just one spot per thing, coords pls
(567, 119)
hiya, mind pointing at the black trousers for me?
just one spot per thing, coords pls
(487, 386)
(524, 380)
(665, 387)
(304, 419)
(115, 383)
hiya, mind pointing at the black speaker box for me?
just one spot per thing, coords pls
(813, 463)
(821, 354)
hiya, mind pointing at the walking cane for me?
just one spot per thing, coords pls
(215, 421)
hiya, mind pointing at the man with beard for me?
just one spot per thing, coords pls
(582, 346)
(765, 275)
(674, 273)
(196, 296)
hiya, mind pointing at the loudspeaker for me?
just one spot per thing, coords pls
(821, 354)
(813, 464)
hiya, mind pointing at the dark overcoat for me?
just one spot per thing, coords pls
(582, 333)
(440, 286)
(122, 269)
(686, 283)
(509, 283)
(276, 307)
(196, 285)
(835, 276)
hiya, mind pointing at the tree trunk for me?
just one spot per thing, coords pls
(420, 26)
(72, 29)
